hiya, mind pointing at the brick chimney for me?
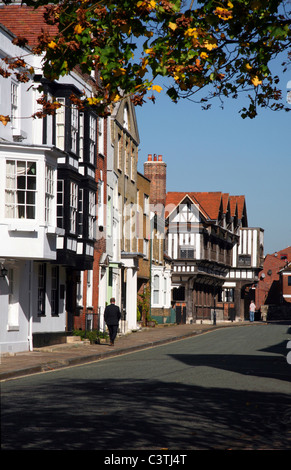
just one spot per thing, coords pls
(155, 170)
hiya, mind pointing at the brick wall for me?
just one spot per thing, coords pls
(100, 244)
(268, 291)
(143, 225)
(155, 170)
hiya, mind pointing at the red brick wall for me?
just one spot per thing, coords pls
(155, 170)
(100, 244)
(268, 290)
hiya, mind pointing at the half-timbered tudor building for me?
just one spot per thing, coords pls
(48, 194)
(247, 261)
(205, 238)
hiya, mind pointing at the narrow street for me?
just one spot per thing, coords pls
(229, 389)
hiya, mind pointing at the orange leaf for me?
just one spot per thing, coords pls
(4, 119)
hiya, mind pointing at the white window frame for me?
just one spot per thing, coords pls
(14, 105)
(119, 148)
(146, 248)
(49, 193)
(20, 194)
(81, 137)
(92, 139)
(60, 124)
(146, 207)
(101, 135)
(80, 212)
(100, 203)
(73, 206)
(156, 289)
(91, 214)
(60, 203)
(74, 128)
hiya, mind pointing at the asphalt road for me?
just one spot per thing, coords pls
(229, 389)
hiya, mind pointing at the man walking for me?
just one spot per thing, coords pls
(112, 316)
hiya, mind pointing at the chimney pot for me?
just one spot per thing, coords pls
(149, 157)
(160, 158)
(155, 157)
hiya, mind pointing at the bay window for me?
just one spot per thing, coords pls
(20, 190)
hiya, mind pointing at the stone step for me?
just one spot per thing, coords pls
(73, 339)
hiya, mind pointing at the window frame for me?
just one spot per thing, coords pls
(21, 189)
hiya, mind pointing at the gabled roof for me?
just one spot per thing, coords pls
(212, 205)
(117, 114)
(27, 22)
(174, 199)
(240, 202)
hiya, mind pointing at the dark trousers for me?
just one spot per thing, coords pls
(112, 332)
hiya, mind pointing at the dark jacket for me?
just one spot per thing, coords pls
(112, 314)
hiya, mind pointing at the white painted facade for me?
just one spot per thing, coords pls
(247, 254)
(189, 240)
(28, 230)
(33, 294)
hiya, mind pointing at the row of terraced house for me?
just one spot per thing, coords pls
(80, 224)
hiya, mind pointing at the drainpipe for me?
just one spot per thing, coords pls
(30, 316)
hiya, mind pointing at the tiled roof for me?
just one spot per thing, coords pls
(241, 204)
(173, 199)
(282, 253)
(25, 21)
(211, 204)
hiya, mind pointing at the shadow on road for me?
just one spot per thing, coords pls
(122, 414)
(72, 413)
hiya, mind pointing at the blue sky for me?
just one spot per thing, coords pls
(217, 150)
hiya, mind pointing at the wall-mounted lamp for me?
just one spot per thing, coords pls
(4, 272)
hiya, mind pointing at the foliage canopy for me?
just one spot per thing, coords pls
(211, 48)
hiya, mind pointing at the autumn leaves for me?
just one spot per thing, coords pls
(220, 45)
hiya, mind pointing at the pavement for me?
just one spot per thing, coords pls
(58, 356)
